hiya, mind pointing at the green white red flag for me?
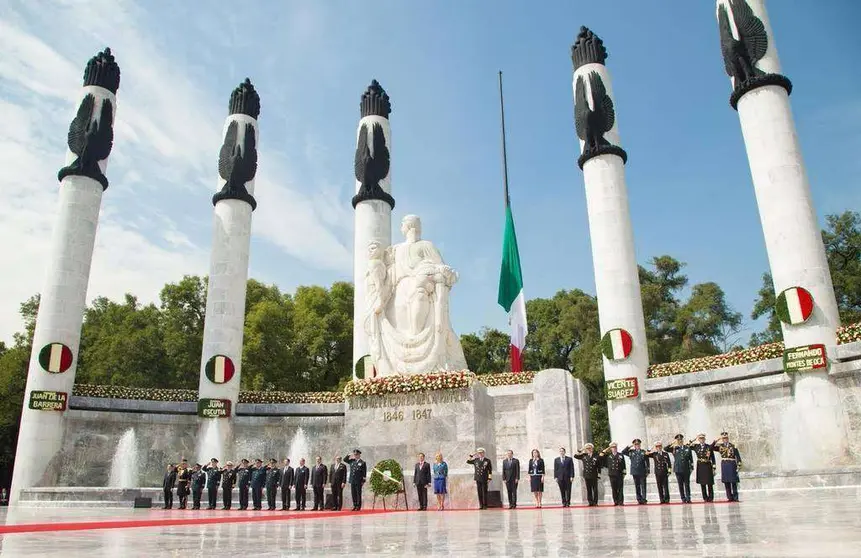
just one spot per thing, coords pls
(794, 305)
(511, 291)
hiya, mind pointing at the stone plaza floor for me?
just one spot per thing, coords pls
(818, 522)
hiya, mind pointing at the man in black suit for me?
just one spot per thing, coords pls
(563, 472)
(358, 474)
(167, 485)
(301, 484)
(286, 484)
(483, 470)
(422, 478)
(319, 476)
(511, 477)
(339, 480)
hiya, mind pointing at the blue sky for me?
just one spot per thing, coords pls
(688, 179)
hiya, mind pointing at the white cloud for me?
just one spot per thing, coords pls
(167, 135)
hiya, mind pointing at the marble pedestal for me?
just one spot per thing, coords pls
(453, 422)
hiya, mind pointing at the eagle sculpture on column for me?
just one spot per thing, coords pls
(90, 140)
(237, 164)
(370, 168)
(595, 121)
(741, 55)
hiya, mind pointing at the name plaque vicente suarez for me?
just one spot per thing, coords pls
(48, 400)
(213, 408)
(805, 358)
(623, 388)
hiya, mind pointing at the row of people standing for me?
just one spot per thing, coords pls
(257, 478)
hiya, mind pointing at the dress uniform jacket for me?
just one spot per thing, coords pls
(705, 463)
(729, 461)
(591, 464)
(639, 461)
(663, 465)
(615, 464)
(683, 461)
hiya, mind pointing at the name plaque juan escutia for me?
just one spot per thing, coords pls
(623, 388)
(48, 400)
(805, 359)
(213, 408)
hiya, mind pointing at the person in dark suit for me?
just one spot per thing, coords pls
(258, 480)
(683, 466)
(483, 471)
(228, 480)
(422, 479)
(536, 477)
(563, 472)
(183, 481)
(614, 462)
(511, 477)
(213, 479)
(358, 474)
(639, 468)
(198, 483)
(591, 468)
(168, 484)
(338, 479)
(730, 461)
(300, 483)
(273, 479)
(286, 484)
(662, 471)
(319, 477)
(705, 467)
(243, 480)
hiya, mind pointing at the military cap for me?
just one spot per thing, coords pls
(245, 461)
(637, 441)
(724, 434)
(214, 459)
(701, 435)
(658, 443)
(679, 437)
(614, 445)
(357, 451)
(588, 445)
(229, 464)
(480, 450)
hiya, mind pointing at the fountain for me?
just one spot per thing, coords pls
(124, 466)
(211, 441)
(299, 446)
(699, 416)
(808, 422)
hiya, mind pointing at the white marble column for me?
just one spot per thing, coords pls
(221, 362)
(56, 340)
(617, 281)
(373, 213)
(792, 233)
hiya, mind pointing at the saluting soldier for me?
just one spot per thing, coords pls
(683, 465)
(730, 461)
(614, 462)
(273, 478)
(168, 484)
(286, 484)
(213, 479)
(639, 468)
(705, 467)
(339, 480)
(483, 471)
(243, 480)
(183, 478)
(662, 471)
(258, 479)
(358, 474)
(198, 481)
(228, 480)
(591, 468)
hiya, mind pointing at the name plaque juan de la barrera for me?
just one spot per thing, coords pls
(48, 400)
(213, 408)
(623, 388)
(804, 359)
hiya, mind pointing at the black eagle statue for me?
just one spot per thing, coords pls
(237, 164)
(90, 140)
(741, 55)
(593, 123)
(371, 169)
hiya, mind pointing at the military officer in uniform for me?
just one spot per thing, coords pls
(614, 462)
(358, 474)
(662, 471)
(273, 478)
(639, 468)
(168, 484)
(213, 479)
(483, 471)
(243, 480)
(300, 484)
(339, 480)
(730, 461)
(183, 478)
(228, 480)
(319, 476)
(198, 482)
(286, 484)
(258, 479)
(683, 465)
(705, 467)
(591, 468)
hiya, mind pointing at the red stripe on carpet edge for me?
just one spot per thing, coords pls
(131, 524)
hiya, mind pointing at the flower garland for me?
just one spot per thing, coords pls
(849, 333)
(409, 383)
(506, 378)
(190, 395)
(386, 485)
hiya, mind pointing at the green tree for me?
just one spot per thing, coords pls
(659, 289)
(487, 352)
(842, 239)
(183, 309)
(764, 306)
(707, 323)
(269, 352)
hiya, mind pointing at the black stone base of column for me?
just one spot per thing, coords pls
(234, 194)
(602, 150)
(373, 194)
(756, 82)
(75, 170)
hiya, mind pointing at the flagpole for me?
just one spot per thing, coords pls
(504, 152)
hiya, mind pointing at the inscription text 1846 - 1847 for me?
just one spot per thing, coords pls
(398, 415)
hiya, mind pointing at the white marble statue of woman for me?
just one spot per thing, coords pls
(407, 318)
